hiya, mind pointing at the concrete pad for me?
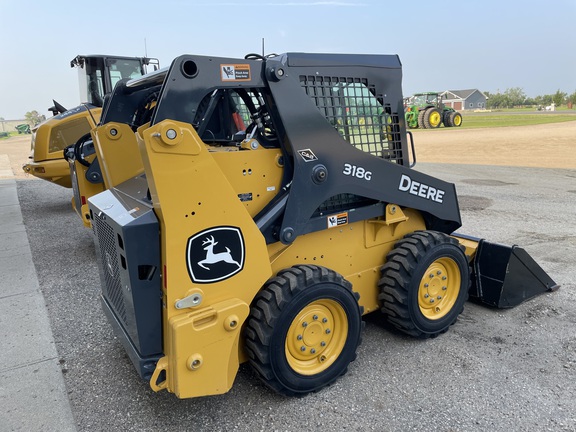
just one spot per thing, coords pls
(8, 194)
(25, 333)
(32, 391)
(5, 169)
(32, 400)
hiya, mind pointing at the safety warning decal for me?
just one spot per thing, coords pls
(337, 220)
(235, 72)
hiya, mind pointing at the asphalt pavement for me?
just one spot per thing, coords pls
(496, 370)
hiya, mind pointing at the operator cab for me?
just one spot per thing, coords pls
(98, 74)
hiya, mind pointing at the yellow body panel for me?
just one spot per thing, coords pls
(203, 350)
(56, 171)
(118, 153)
(185, 210)
(356, 251)
(254, 175)
(51, 138)
(470, 245)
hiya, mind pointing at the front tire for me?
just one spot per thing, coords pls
(424, 283)
(304, 329)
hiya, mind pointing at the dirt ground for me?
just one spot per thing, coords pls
(546, 146)
(16, 150)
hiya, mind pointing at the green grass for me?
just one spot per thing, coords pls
(516, 118)
(10, 135)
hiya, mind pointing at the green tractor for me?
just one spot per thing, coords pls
(426, 111)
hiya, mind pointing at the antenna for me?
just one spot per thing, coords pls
(145, 49)
(263, 48)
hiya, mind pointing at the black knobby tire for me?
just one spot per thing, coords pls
(421, 115)
(447, 119)
(424, 283)
(456, 119)
(432, 118)
(304, 329)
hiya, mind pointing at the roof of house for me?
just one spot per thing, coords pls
(462, 94)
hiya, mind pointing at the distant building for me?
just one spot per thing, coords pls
(464, 99)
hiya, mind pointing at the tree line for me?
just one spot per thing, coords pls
(515, 98)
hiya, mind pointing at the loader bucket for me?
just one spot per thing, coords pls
(505, 276)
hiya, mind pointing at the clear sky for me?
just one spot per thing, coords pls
(443, 45)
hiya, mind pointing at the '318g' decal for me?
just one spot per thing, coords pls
(357, 171)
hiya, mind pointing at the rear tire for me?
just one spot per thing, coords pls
(456, 119)
(421, 115)
(424, 283)
(432, 118)
(304, 329)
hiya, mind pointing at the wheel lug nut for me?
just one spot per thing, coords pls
(443, 277)
(444, 288)
(312, 351)
(303, 348)
(315, 317)
(323, 343)
(299, 337)
(324, 320)
(431, 275)
(426, 285)
(438, 272)
(327, 331)
(431, 300)
(439, 297)
(304, 324)
(426, 295)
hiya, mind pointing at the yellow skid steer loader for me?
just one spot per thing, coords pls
(257, 208)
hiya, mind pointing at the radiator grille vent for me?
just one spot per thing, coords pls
(109, 256)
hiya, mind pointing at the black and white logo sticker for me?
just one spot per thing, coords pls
(308, 155)
(215, 254)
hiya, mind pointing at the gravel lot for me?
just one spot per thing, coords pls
(494, 370)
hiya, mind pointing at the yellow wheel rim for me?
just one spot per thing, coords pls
(434, 119)
(316, 337)
(457, 120)
(439, 288)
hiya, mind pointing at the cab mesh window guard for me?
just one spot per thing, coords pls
(361, 118)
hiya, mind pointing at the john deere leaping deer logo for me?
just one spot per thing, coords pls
(213, 258)
(215, 254)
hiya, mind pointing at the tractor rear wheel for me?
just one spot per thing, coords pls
(456, 119)
(424, 283)
(303, 330)
(432, 118)
(421, 115)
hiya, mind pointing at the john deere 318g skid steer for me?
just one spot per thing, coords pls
(256, 208)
